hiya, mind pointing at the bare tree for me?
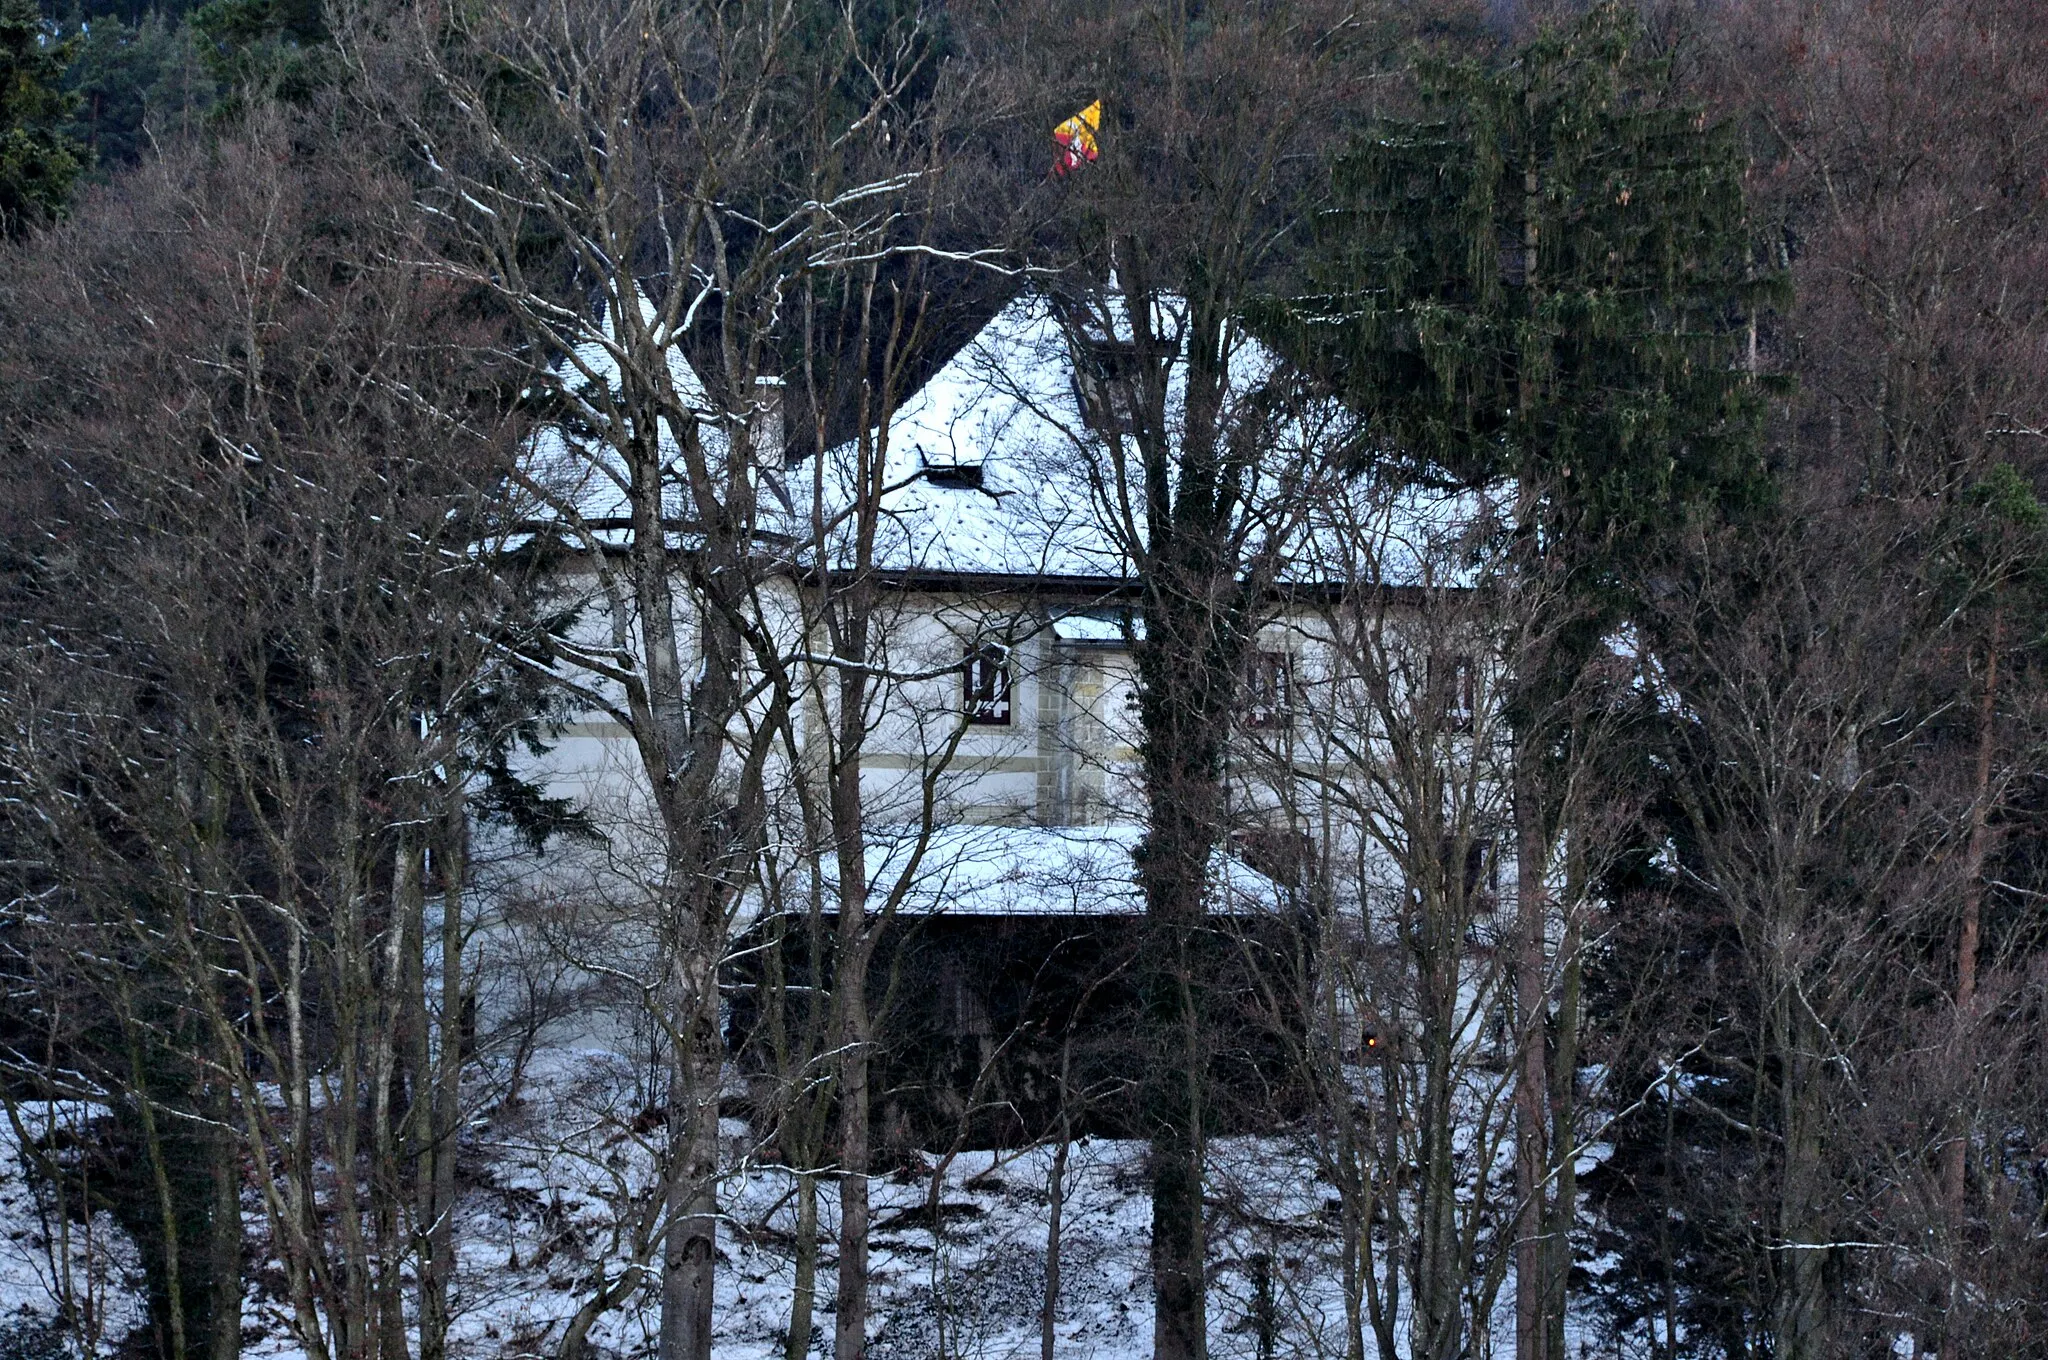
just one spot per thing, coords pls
(1206, 128)
(1392, 780)
(1852, 674)
(690, 166)
(265, 660)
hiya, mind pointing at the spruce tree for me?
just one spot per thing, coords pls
(134, 84)
(1549, 280)
(256, 49)
(38, 161)
(1552, 277)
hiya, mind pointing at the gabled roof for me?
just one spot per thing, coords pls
(991, 470)
(583, 475)
(980, 465)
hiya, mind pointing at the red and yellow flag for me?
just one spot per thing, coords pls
(1076, 138)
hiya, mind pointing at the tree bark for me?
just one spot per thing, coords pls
(444, 1120)
(1172, 870)
(1178, 1330)
(1055, 1195)
(1563, 1119)
(400, 1018)
(1976, 851)
(1532, 910)
(796, 1342)
(1438, 1324)
(850, 1322)
(1532, 1086)
(224, 1231)
(855, 941)
(1799, 1298)
(688, 1277)
(849, 986)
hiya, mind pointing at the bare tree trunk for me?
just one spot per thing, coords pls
(1532, 908)
(1179, 1331)
(680, 729)
(1532, 1089)
(401, 1011)
(849, 1327)
(1440, 1277)
(849, 987)
(225, 1231)
(1667, 1260)
(355, 1321)
(606, 1296)
(1356, 1263)
(688, 1280)
(1799, 1298)
(1956, 1158)
(804, 1116)
(796, 1342)
(444, 1120)
(1056, 1192)
(1563, 1120)
(851, 957)
(160, 1181)
(850, 978)
(1056, 1203)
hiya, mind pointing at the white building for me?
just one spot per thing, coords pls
(1005, 639)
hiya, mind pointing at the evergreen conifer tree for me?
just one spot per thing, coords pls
(254, 49)
(1549, 279)
(1551, 276)
(134, 84)
(38, 161)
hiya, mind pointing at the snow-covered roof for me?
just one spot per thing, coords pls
(991, 470)
(1097, 627)
(1035, 871)
(1004, 412)
(581, 475)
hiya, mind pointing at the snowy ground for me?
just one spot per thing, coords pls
(55, 1264)
(970, 1287)
(554, 1179)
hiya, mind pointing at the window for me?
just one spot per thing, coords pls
(985, 687)
(1482, 874)
(1453, 691)
(1269, 689)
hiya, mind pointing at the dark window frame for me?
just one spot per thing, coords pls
(1454, 690)
(1269, 690)
(987, 687)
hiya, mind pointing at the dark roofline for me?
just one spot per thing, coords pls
(1116, 587)
(982, 582)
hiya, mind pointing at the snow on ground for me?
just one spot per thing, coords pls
(971, 1287)
(997, 870)
(555, 1185)
(55, 1264)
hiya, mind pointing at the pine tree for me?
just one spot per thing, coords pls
(1550, 279)
(134, 84)
(38, 161)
